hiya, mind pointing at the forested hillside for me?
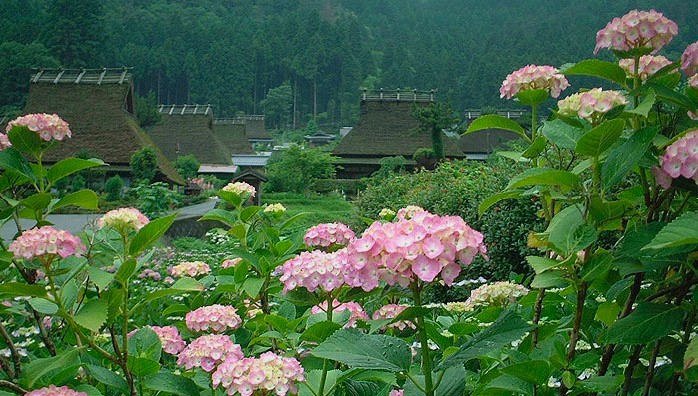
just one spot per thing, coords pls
(314, 53)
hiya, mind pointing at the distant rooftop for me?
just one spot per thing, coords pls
(472, 114)
(83, 76)
(186, 109)
(398, 96)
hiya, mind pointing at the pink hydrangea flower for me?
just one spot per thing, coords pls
(637, 29)
(240, 188)
(149, 273)
(397, 392)
(53, 390)
(591, 104)
(4, 141)
(689, 59)
(231, 263)
(418, 246)
(313, 270)
(46, 241)
(693, 81)
(680, 159)
(391, 311)
(534, 77)
(123, 219)
(217, 318)
(648, 65)
(189, 268)
(498, 294)
(355, 309)
(48, 126)
(170, 339)
(661, 178)
(209, 351)
(328, 234)
(268, 373)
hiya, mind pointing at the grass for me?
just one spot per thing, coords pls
(318, 208)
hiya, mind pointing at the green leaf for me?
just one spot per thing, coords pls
(597, 68)
(690, 357)
(224, 216)
(247, 213)
(84, 198)
(532, 97)
(69, 166)
(100, 277)
(145, 343)
(597, 266)
(107, 377)
(548, 279)
(544, 177)
(182, 285)
(92, 315)
(600, 139)
(319, 332)
(494, 199)
(537, 147)
(44, 306)
(252, 286)
(142, 367)
(150, 233)
(567, 232)
(507, 328)
(232, 198)
(647, 323)
(12, 160)
(672, 96)
(16, 289)
(682, 231)
(621, 160)
(88, 389)
(542, 264)
(126, 271)
(561, 134)
(379, 352)
(604, 384)
(511, 384)
(171, 383)
(536, 371)
(25, 140)
(646, 105)
(291, 220)
(607, 313)
(39, 367)
(499, 122)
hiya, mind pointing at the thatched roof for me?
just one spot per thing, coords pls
(100, 114)
(254, 127)
(388, 129)
(232, 135)
(189, 130)
(485, 141)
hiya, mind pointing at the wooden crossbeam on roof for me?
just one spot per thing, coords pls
(80, 76)
(399, 96)
(58, 77)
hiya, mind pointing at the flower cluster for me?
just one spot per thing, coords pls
(420, 245)
(328, 234)
(150, 273)
(396, 392)
(391, 311)
(354, 308)
(45, 241)
(648, 65)
(314, 269)
(209, 351)
(269, 372)
(679, 159)
(53, 390)
(217, 318)
(123, 219)
(591, 104)
(4, 141)
(170, 339)
(191, 268)
(240, 188)
(534, 77)
(48, 126)
(202, 183)
(637, 29)
(231, 263)
(458, 306)
(386, 214)
(689, 60)
(275, 209)
(498, 294)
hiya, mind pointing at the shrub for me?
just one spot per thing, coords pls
(144, 165)
(155, 199)
(113, 188)
(295, 169)
(187, 166)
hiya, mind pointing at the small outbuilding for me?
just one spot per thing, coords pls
(255, 179)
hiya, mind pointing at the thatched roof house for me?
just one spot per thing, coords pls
(99, 106)
(386, 128)
(188, 130)
(479, 145)
(231, 132)
(255, 130)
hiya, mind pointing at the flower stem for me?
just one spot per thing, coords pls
(424, 341)
(325, 362)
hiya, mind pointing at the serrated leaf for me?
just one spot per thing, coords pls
(542, 264)
(373, 352)
(319, 331)
(648, 322)
(494, 199)
(682, 231)
(252, 286)
(100, 277)
(646, 105)
(68, 166)
(562, 134)
(554, 278)
(12, 160)
(44, 306)
(535, 371)
(171, 383)
(537, 147)
(141, 367)
(597, 68)
(499, 122)
(224, 216)
(92, 315)
(247, 213)
(150, 233)
(39, 367)
(600, 139)
(622, 159)
(532, 97)
(544, 177)
(690, 357)
(182, 285)
(84, 199)
(107, 377)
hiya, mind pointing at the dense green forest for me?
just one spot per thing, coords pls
(295, 59)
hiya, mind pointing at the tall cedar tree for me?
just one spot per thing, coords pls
(75, 32)
(433, 119)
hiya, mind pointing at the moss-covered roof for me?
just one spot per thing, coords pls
(190, 133)
(485, 141)
(388, 129)
(100, 119)
(233, 137)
